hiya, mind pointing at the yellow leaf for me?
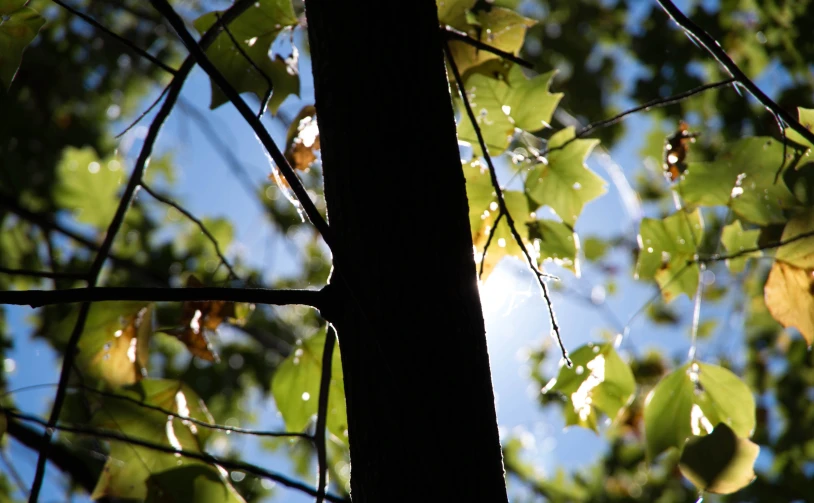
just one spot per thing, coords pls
(788, 295)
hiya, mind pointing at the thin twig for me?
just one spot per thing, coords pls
(270, 85)
(488, 242)
(42, 274)
(112, 230)
(127, 43)
(146, 112)
(200, 456)
(204, 424)
(39, 298)
(453, 34)
(15, 475)
(746, 251)
(656, 103)
(322, 412)
(716, 51)
(46, 222)
(502, 203)
(263, 135)
(199, 223)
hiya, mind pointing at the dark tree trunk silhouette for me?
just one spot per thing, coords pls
(421, 408)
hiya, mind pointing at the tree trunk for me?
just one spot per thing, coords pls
(421, 411)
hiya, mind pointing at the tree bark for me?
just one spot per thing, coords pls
(421, 411)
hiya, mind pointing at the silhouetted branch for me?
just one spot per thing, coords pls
(127, 43)
(200, 456)
(204, 424)
(263, 135)
(146, 112)
(453, 34)
(489, 242)
(322, 412)
(502, 202)
(200, 224)
(270, 85)
(45, 222)
(656, 103)
(96, 267)
(746, 251)
(39, 298)
(716, 51)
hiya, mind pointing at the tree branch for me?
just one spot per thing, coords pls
(200, 456)
(656, 103)
(58, 454)
(451, 33)
(502, 202)
(716, 51)
(322, 412)
(170, 202)
(39, 298)
(115, 36)
(265, 138)
(204, 424)
(489, 242)
(113, 229)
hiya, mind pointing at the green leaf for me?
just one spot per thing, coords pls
(736, 240)
(599, 381)
(295, 387)
(741, 177)
(564, 183)
(720, 462)
(501, 28)
(19, 25)
(555, 241)
(483, 210)
(88, 186)
(691, 401)
(255, 31)
(806, 118)
(129, 468)
(501, 105)
(114, 345)
(195, 482)
(594, 248)
(453, 12)
(665, 247)
(800, 251)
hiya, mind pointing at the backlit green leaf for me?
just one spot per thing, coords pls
(501, 105)
(599, 381)
(501, 28)
(453, 12)
(254, 31)
(483, 211)
(557, 242)
(806, 118)
(113, 348)
(692, 400)
(564, 183)
(741, 177)
(88, 185)
(720, 462)
(194, 482)
(665, 248)
(19, 25)
(295, 387)
(129, 469)
(799, 236)
(736, 240)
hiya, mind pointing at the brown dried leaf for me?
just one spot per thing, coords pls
(675, 151)
(789, 295)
